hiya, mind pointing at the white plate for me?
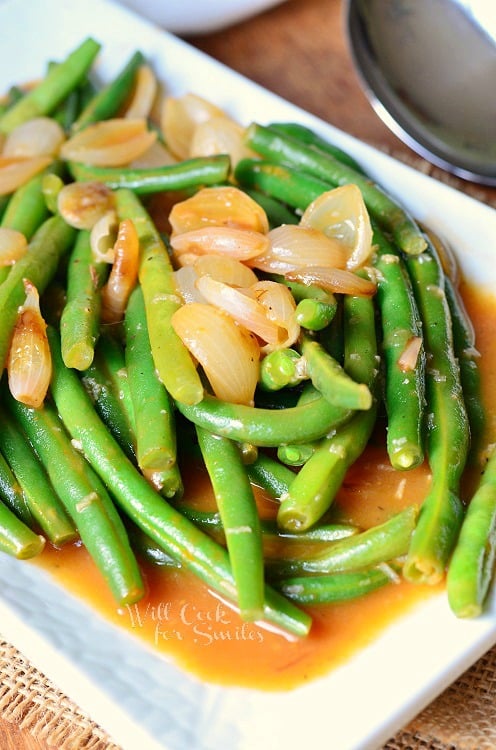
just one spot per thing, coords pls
(142, 700)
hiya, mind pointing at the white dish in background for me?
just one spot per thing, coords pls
(141, 699)
(198, 16)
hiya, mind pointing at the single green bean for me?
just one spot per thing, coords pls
(310, 138)
(17, 539)
(270, 475)
(391, 216)
(80, 320)
(240, 521)
(190, 173)
(379, 544)
(173, 362)
(404, 391)
(54, 88)
(108, 100)
(266, 427)
(48, 245)
(279, 369)
(11, 493)
(314, 315)
(166, 526)
(48, 512)
(330, 589)
(447, 439)
(86, 500)
(296, 454)
(471, 568)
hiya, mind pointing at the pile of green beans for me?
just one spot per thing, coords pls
(103, 460)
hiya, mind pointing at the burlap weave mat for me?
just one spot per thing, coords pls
(461, 718)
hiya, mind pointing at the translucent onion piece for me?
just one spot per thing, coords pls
(103, 236)
(15, 171)
(144, 94)
(227, 352)
(341, 213)
(29, 364)
(109, 143)
(293, 246)
(82, 204)
(123, 275)
(179, 118)
(280, 307)
(245, 310)
(241, 244)
(220, 135)
(155, 156)
(41, 136)
(218, 206)
(334, 280)
(13, 245)
(226, 269)
(409, 356)
(186, 278)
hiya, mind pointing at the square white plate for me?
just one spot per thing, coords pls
(142, 700)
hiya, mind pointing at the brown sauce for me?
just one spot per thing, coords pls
(185, 622)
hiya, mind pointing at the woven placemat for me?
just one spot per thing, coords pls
(462, 718)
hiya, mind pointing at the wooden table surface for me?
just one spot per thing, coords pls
(297, 50)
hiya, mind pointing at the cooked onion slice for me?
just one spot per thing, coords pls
(123, 275)
(334, 280)
(341, 214)
(41, 136)
(292, 246)
(144, 94)
(220, 135)
(280, 306)
(241, 244)
(13, 245)
(103, 236)
(225, 206)
(179, 118)
(226, 269)
(29, 363)
(228, 353)
(409, 356)
(15, 171)
(155, 156)
(109, 143)
(82, 204)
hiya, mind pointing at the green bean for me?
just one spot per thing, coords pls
(279, 369)
(296, 454)
(173, 532)
(471, 568)
(330, 589)
(172, 360)
(310, 138)
(11, 493)
(86, 500)
(80, 321)
(53, 89)
(327, 375)
(109, 99)
(379, 544)
(265, 427)
(240, 521)
(39, 264)
(17, 539)
(390, 215)
(404, 387)
(190, 173)
(270, 475)
(314, 315)
(47, 511)
(286, 184)
(156, 449)
(447, 429)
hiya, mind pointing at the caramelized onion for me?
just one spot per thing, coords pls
(228, 353)
(109, 143)
(29, 363)
(226, 206)
(144, 94)
(123, 275)
(41, 136)
(82, 204)
(13, 245)
(220, 135)
(334, 280)
(241, 244)
(15, 171)
(103, 236)
(226, 269)
(179, 118)
(409, 356)
(292, 246)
